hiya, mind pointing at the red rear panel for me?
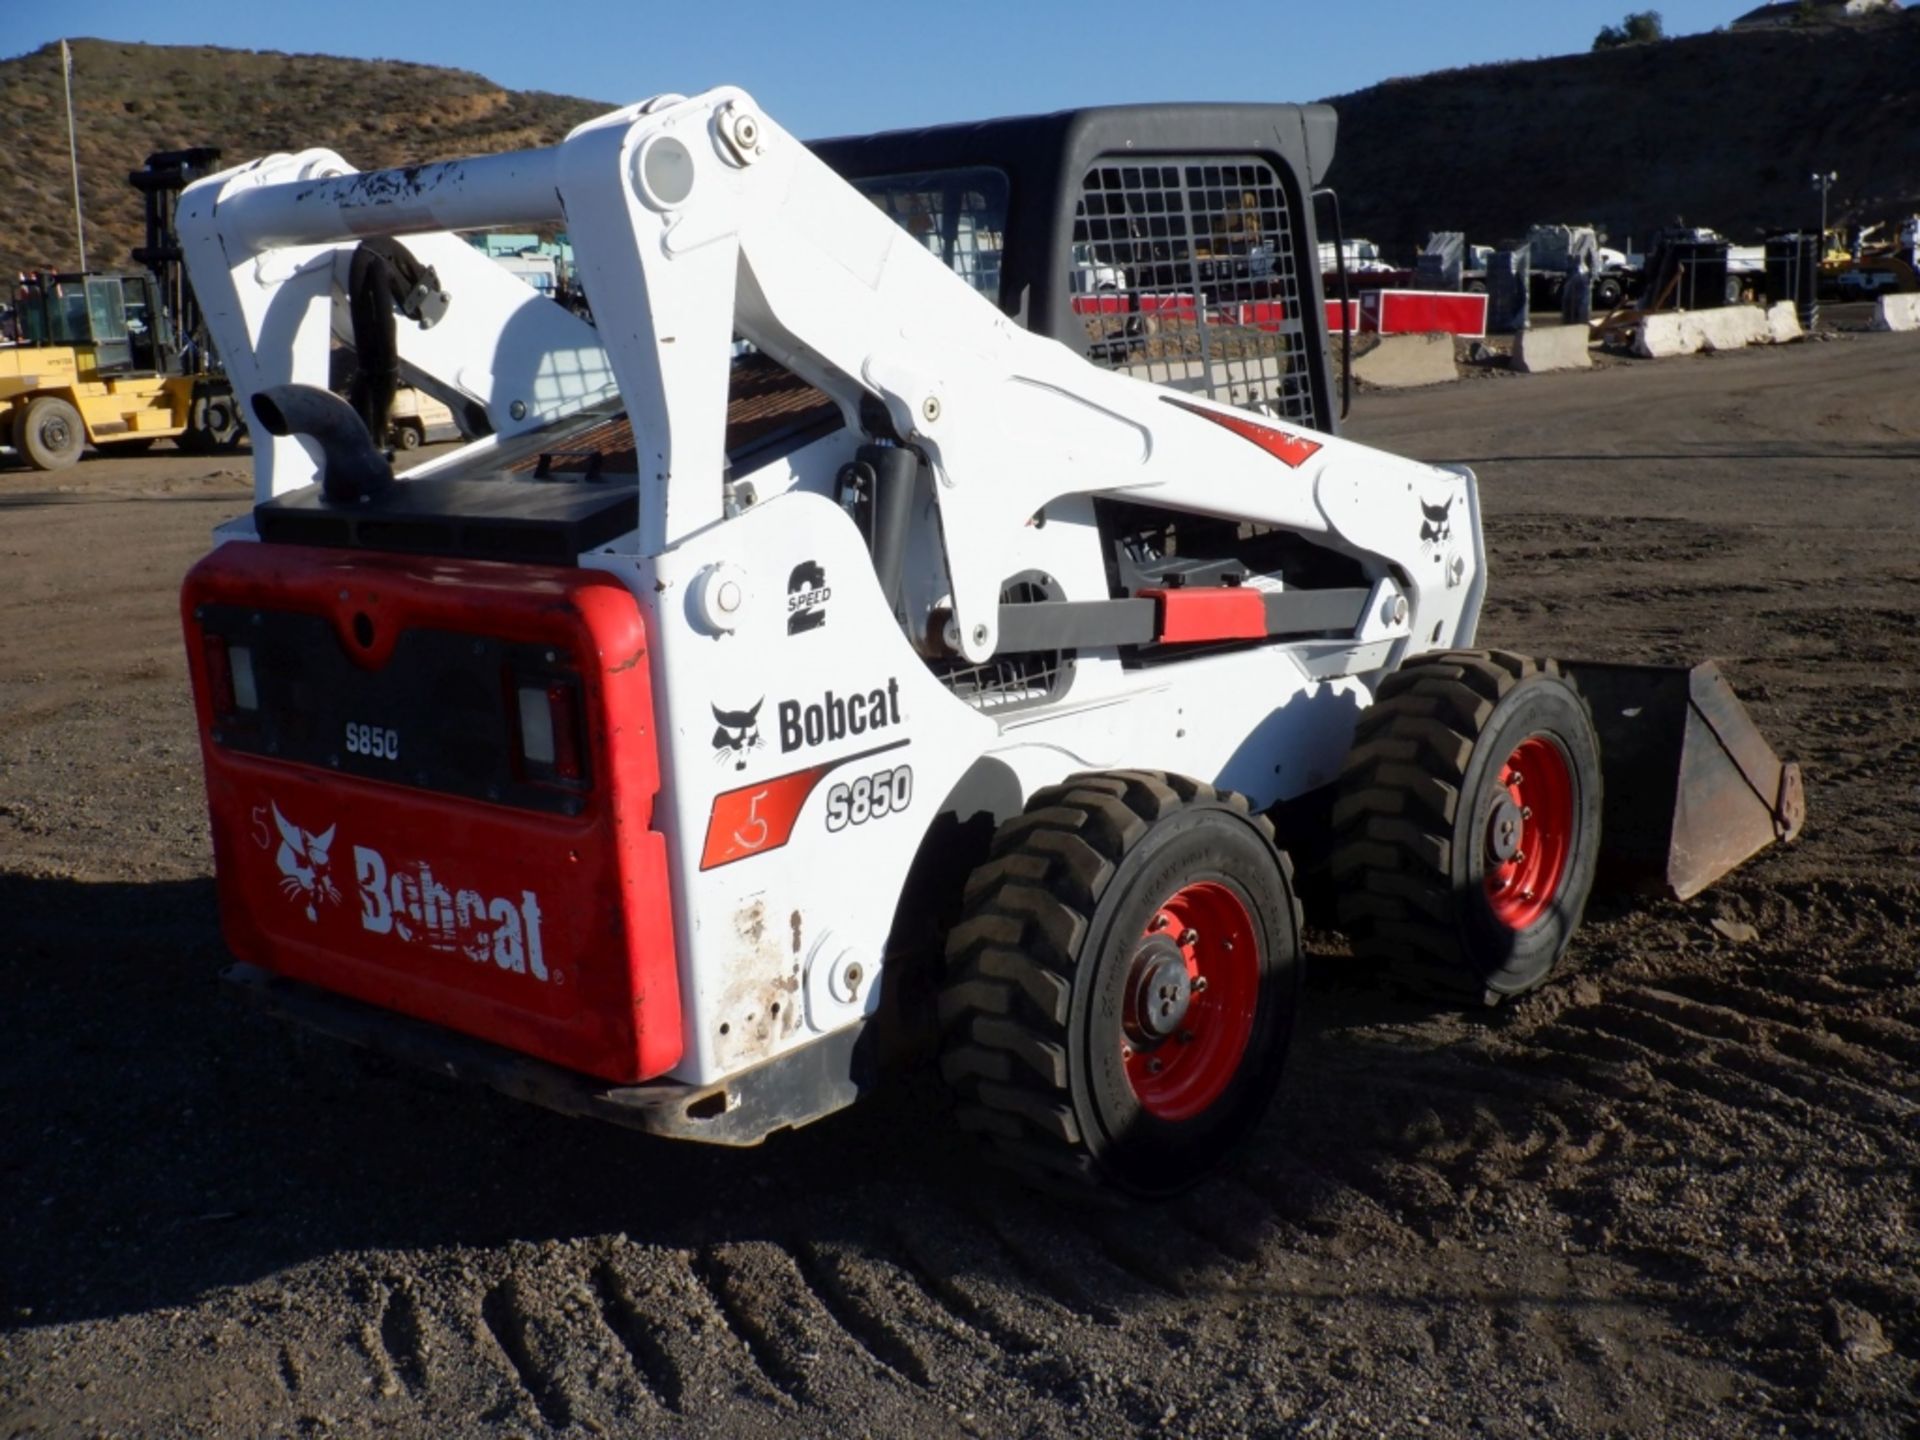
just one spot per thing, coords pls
(431, 783)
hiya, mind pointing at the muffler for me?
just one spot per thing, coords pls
(1691, 788)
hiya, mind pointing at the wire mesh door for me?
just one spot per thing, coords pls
(1184, 272)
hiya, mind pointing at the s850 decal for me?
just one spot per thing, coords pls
(374, 740)
(871, 797)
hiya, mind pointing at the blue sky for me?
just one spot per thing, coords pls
(827, 68)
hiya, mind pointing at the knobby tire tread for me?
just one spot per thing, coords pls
(1004, 1012)
(1393, 821)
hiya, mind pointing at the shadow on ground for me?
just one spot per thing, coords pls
(166, 1141)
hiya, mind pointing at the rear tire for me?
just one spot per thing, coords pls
(406, 437)
(1076, 1039)
(1467, 826)
(222, 422)
(50, 434)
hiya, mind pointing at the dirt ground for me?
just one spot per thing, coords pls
(1673, 1194)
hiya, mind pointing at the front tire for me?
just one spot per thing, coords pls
(51, 434)
(1467, 826)
(1123, 984)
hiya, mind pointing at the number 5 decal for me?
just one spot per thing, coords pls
(753, 834)
(756, 818)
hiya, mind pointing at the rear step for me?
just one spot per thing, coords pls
(782, 1094)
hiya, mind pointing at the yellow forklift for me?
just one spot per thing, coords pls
(92, 368)
(117, 360)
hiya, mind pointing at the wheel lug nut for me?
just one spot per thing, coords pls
(1526, 812)
(1199, 983)
(1126, 1052)
(1189, 936)
(1186, 1037)
(1154, 1067)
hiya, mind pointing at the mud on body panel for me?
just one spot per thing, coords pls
(807, 764)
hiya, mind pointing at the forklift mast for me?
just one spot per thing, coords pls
(160, 181)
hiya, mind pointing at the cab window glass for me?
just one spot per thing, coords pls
(106, 307)
(959, 215)
(67, 314)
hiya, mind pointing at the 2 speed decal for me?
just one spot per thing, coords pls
(807, 596)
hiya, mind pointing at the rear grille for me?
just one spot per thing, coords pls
(1184, 273)
(439, 715)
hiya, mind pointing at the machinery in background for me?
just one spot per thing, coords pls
(118, 360)
(1879, 260)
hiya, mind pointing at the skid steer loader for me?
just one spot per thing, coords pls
(899, 618)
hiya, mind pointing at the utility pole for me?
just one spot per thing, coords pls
(73, 152)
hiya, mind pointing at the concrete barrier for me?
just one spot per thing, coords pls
(1897, 312)
(1733, 327)
(1783, 323)
(1559, 347)
(1687, 332)
(1402, 361)
(1658, 336)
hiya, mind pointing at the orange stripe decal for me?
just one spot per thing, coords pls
(1290, 450)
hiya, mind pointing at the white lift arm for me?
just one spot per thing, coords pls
(696, 219)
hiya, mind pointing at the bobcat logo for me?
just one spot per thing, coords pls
(739, 732)
(303, 865)
(1436, 527)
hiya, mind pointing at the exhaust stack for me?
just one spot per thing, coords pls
(353, 471)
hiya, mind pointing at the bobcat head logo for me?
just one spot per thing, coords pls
(739, 732)
(1436, 527)
(303, 865)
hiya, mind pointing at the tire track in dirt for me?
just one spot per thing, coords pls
(515, 1332)
(634, 1329)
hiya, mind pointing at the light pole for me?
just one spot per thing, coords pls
(1822, 183)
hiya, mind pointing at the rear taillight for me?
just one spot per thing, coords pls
(549, 715)
(230, 686)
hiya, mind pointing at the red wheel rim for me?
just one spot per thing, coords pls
(1529, 832)
(1179, 1067)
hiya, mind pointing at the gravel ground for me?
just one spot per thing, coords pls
(1672, 1194)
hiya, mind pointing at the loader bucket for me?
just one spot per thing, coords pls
(1691, 789)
